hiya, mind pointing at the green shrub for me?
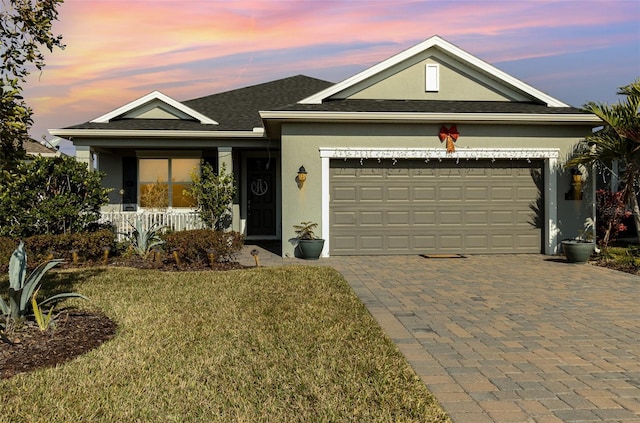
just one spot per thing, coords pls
(194, 245)
(213, 194)
(50, 196)
(89, 246)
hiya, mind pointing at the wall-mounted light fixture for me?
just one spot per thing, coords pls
(302, 176)
(575, 189)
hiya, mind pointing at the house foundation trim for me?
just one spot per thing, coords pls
(549, 155)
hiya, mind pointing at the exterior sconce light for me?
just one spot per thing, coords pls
(302, 176)
(575, 189)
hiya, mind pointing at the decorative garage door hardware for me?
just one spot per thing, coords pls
(436, 153)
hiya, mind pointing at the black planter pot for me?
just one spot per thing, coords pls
(311, 249)
(578, 251)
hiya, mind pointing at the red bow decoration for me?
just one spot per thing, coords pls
(451, 135)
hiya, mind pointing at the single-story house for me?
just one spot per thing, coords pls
(430, 151)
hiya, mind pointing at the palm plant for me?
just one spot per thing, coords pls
(618, 140)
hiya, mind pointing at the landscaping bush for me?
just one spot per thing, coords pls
(89, 246)
(194, 245)
(213, 194)
(50, 196)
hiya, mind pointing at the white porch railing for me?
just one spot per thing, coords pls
(174, 220)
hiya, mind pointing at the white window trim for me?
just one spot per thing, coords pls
(549, 155)
(432, 78)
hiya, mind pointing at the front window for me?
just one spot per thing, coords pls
(162, 181)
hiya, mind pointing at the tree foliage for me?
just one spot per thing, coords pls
(619, 141)
(25, 27)
(50, 196)
(213, 194)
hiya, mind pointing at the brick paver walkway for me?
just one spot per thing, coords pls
(510, 338)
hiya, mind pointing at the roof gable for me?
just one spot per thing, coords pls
(461, 75)
(155, 105)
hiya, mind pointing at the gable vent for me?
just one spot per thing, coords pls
(432, 78)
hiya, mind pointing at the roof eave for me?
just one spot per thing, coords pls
(136, 133)
(481, 118)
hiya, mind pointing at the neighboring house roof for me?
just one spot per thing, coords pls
(34, 148)
(235, 110)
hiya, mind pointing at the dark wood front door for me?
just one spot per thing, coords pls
(261, 196)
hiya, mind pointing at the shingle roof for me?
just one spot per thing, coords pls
(238, 109)
(431, 106)
(235, 110)
(35, 148)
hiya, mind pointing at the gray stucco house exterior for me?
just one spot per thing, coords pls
(431, 151)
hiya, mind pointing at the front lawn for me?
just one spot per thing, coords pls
(269, 344)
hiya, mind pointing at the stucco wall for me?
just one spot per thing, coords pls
(301, 144)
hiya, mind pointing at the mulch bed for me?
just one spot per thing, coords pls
(75, 333)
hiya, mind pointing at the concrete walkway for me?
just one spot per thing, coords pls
(509, 338)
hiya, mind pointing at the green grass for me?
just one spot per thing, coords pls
(261, 345)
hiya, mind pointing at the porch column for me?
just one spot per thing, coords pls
(225, 155)
(85, 155)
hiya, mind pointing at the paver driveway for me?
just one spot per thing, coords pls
(508, 338)
(511, 338)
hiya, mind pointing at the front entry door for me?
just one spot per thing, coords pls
(261, 197)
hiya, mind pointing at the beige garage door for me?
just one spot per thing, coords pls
(418, 207)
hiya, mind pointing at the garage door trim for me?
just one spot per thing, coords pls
(550, 156)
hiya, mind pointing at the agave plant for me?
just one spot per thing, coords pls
(142, 241)
(22, 288)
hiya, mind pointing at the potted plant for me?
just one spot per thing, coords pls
(579, 250)
(309, 244)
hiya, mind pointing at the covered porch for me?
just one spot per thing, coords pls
(147, 185)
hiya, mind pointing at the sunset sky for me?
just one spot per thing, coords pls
(119, 50)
